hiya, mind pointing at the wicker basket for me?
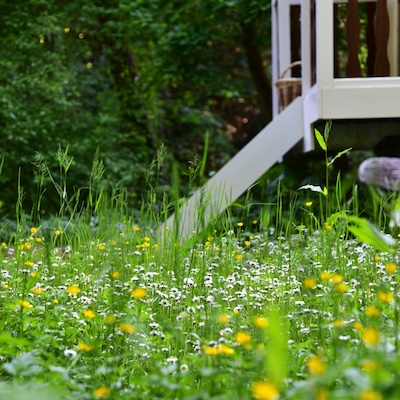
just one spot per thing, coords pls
(288, 88)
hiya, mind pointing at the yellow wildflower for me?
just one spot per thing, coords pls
(211, 351)
(115, 275)
(73, 289)
(263, 390)
(371, 337)
(138, 293)
(110, 318)
(89, 314)
(336, 279)
(126, 328)
(33, 230)
(391, 268)
(385, 297)
(372, 311)
(84, 347)
(261, 322)
(325, 276)
(103, 391)
(316, 366)
(309, 283)
(223, 319)
(340, 288)
(338, 323)
(309, 203)
(57, 232)
(38, 290)
(357, 325)
(243, 339)
(25, 304)
(224, 349)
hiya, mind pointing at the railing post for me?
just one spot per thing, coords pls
(370, 36)
(382, 65)
(353, 27)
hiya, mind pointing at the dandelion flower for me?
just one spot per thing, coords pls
(89, 314)
(101, 247)
(126, 328)
(316, 366)
(103, 391)
(263, 390)
(110, 318)
(25, 304)
(73, 289)
(391, 268)
(57, 232)
(239, 257)
(38, 291)
(371, 337)
(309, 203)
(115, 274)
(33, 230)
(372, 311)
(224, 349)
(309, 283)
(240, 224)
(138, 293)
(211, 351)
(336, 279)
(261, 322)
(136, 228)
(84, 347)
(338, 323)
(385, 297)
(223, 319)
(243, 339)
(357, 325)
(340, 288)
(29, 263)
(325, 276)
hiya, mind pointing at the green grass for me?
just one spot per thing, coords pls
(93, 305)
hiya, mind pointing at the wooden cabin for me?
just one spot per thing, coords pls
(349, 73)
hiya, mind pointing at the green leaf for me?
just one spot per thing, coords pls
(339, 155)
(327, 130)
(320, 140)
(314, 188)
(370, 234)
(277, 351)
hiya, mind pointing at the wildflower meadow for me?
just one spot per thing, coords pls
(96, 304)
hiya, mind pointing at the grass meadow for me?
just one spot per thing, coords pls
(94, 305)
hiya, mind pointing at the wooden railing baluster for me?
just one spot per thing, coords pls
(370, 36)
(353, 27)
(382, 65)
